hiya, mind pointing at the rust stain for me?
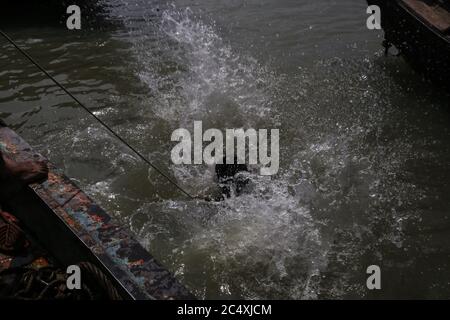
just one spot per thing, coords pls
(40, 262)
(139, 262)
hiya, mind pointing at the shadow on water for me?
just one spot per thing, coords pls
(52, 13)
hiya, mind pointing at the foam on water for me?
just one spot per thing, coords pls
(275, 241)
(261, 244)
(195, 75)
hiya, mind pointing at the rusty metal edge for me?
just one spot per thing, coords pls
(112, 245)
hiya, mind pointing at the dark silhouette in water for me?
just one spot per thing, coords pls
(229, 179)
(25, 13)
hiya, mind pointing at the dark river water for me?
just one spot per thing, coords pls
(364, 142)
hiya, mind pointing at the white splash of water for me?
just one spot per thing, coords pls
(193, 74)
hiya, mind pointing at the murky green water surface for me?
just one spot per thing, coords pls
(365, 154)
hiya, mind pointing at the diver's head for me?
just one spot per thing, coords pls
(227, 171)
(227, 175)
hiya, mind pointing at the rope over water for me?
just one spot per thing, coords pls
(94, 116)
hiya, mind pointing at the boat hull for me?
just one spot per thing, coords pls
(423, 46)
(72, 228)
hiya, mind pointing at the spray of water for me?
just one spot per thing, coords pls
(309, 231)
(261, 244)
